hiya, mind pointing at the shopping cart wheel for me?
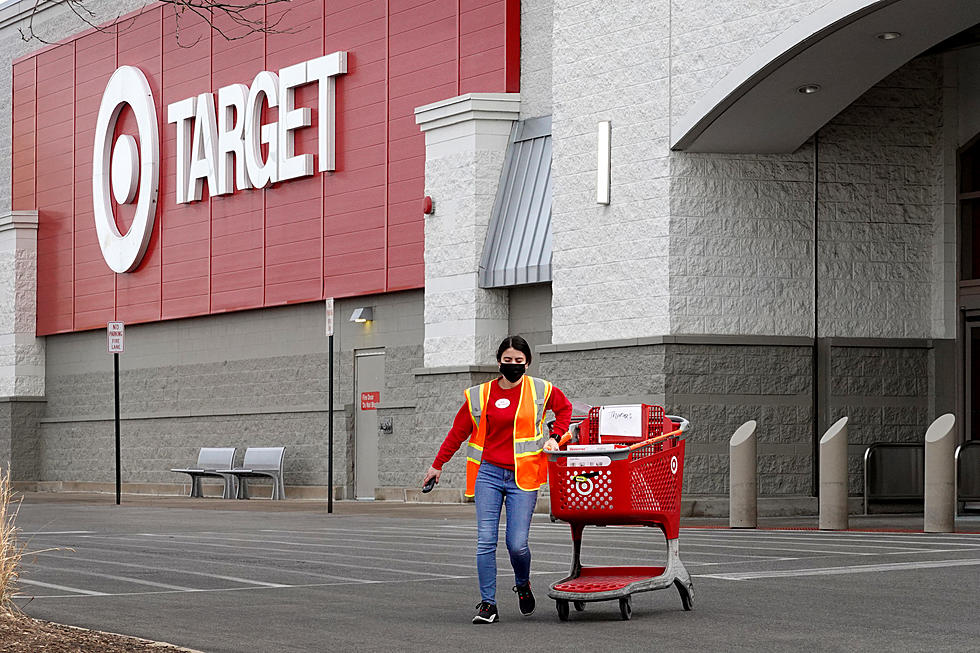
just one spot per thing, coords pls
(562, 606)
(626, 608)
(687, 594)
(579, 606)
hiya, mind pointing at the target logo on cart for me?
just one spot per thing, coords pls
(583, 484)
(673, 464)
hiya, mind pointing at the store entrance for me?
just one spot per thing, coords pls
(968, 286)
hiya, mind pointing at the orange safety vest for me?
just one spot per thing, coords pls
(530, 465)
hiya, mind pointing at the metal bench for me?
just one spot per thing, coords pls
(209, 461)
(894, 471)
(968, 472)
(260, 462)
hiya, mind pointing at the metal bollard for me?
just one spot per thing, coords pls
(833, 477)
(940, 474)
(743, 486)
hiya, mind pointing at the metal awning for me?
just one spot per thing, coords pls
(518, 246)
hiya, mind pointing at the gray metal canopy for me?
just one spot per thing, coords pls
(517, 250)
(787, 90)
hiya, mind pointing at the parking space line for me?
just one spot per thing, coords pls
(63, 588)
(117, 563)
(80, 594)
(126, 579)
(331, 553)
(260, 545)
(804, 540)
(853, 569)
(37, 533)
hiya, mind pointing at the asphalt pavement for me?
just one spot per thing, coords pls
(231, 576)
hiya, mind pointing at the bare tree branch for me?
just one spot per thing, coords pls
(229, 19)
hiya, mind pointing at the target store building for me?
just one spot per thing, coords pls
(738, 210)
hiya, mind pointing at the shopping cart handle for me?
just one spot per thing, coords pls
(656, 439)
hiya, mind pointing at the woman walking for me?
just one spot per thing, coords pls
(505, 464)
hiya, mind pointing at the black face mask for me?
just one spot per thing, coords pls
(513, 371)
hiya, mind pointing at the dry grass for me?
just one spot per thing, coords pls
(11, 548)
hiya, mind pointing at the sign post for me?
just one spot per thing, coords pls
(329, 329)
(115, 334)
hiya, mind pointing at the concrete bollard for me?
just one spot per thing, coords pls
(743, 486)
(940, 475)
(833, 477)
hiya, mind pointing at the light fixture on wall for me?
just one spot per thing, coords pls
(889, 36)
(808, 89)
(363, 314)
(604, 162)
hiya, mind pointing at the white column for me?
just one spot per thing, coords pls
(21, 353)
(833, 477)
(940, 472)
(743, 493)
(465, 141)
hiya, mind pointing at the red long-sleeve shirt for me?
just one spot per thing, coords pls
(501, 410)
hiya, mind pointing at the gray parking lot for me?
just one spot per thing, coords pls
(382, 578)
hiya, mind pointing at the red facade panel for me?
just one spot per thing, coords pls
(356, 230)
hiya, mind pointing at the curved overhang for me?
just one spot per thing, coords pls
(839, 51)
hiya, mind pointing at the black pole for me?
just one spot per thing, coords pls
(815, 379)
(115, 364)
(330, 425)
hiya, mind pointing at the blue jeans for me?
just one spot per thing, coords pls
(496, 486)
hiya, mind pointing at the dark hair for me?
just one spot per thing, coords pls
(514, 342)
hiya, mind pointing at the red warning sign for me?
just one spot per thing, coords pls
(369, 400)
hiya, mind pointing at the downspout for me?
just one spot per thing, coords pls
(815, 354)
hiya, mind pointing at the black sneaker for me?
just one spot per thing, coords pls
(486, 613)
(525, 598)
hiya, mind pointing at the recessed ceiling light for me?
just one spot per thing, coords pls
(808, 89)
(889, 36)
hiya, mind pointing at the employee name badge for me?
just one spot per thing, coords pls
(589, 461)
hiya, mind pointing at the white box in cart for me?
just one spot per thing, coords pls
(589, 461)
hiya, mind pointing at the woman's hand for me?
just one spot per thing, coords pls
(433, 472)
(551, 445)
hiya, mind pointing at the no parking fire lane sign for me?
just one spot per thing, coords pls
(114, 337)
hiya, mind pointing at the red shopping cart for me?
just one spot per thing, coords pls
(626, 469)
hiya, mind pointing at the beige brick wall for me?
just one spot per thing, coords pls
(610, 262)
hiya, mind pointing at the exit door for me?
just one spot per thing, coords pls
(369, 375)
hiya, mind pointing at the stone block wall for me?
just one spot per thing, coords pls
(741, 255)
(530, 317)
(256, 378)
(611, 62)
(20, 442)
(885, 393)
(716, 387)
(537, 24)
(720, 387)
(741, 252)
(881, 208)
(439, 396)
(463, 321)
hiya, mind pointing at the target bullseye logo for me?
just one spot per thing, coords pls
(584, 484)
(673, 464)
(120, 171)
